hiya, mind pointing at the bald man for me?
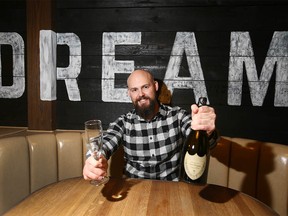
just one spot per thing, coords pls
(152, 134)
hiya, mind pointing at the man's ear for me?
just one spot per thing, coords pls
(156, 85)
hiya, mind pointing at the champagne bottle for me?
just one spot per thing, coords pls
(195, 155)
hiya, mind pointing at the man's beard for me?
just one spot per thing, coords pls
(146, 112)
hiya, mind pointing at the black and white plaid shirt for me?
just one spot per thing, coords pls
(152, 148)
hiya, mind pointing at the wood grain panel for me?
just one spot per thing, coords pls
(169, 3)
(173, 19)
(41, 114)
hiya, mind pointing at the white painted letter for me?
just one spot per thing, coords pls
(185, 42)
(48, 84)
(110, 66)
(241, 52)
(18, 87)
(278, 53)
(70, 73)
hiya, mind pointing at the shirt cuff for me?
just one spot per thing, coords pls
(213, 139)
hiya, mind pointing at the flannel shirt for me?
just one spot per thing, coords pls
(152, 149)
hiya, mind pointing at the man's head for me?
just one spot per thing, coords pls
(142, 89)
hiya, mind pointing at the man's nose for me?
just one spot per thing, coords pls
(141, 93)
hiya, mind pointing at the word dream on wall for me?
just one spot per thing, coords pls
(241, 56)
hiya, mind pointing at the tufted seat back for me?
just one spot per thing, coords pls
(31, 161)
(14, 172)
(255, 168)
(54, 157)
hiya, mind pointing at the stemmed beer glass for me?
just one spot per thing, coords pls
(93, 135)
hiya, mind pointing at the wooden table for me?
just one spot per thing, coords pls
(138, 197)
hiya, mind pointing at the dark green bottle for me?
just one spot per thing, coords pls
(195, 155)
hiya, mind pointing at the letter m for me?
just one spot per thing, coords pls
(241, 55)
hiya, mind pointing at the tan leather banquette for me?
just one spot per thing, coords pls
(32, 160)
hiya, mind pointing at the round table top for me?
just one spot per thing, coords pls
(138, 197)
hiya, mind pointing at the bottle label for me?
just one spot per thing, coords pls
(194, 165)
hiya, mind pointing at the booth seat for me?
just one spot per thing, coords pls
(31, 160)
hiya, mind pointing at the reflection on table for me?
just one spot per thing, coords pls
(138, 197)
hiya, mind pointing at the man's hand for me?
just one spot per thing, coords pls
(95, 170)
(203, 118)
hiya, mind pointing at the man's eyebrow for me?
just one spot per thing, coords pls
(146, 84)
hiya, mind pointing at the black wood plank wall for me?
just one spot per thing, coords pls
(212, 22)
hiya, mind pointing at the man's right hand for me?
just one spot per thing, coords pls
(95, 170)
